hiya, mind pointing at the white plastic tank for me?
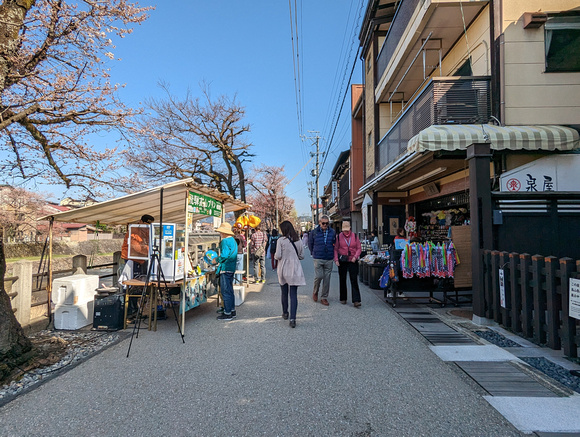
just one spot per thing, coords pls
(73, 317)
(75, 289)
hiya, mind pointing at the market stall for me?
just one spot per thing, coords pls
(176, 206)
(433, 255)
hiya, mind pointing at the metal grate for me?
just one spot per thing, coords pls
(434, 330)
(448, 100)
(504, 379)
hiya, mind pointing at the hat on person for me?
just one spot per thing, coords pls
(225, 228)
(346, 226)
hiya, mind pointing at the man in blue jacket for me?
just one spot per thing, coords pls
(321, 244)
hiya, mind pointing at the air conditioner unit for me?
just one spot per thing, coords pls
(533, 20)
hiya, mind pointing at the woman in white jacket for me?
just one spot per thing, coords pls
(290, 273)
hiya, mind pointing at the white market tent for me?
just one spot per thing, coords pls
(130, 208)
(166, 203)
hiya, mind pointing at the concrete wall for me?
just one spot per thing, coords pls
(369, 110)
(475, 43)
(533, 96)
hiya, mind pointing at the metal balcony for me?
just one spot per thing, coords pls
(445, 100)
(428, 26)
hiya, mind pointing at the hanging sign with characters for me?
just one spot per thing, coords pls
(551, 173)
(200, 204)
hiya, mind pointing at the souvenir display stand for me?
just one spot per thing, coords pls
(438, 260)
(417, 266)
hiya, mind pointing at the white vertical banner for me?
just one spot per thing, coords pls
(334, 190)
(365, 217)
(574, 296)
(502, 288)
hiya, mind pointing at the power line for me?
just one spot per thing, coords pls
(345, 93)
(338, 112)
(296, 66)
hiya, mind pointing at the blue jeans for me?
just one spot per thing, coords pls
(293, 299)
(239, 266)
(260, 267)
(227, 290)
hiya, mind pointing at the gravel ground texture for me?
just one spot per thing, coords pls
(342, 371)
(554, 371)
(496, 338)
(83, 345)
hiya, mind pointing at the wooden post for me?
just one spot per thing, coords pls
(553, 304)
(487, 286)
(539, 299)
(79, 262)
(516, 293)
(23, 288)
(478, 156)
(568, 323)
(527, 302)
(494, 274)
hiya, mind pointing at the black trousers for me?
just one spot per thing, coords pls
(352, 270)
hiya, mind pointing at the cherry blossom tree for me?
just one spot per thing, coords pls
(268, 196)
(19, 209)
(55, 93)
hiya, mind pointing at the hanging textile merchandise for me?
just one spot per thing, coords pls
(429, 259)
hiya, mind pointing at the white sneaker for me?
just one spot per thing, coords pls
(390, 294)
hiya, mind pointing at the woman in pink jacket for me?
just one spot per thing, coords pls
(290, 273)
(346, 254)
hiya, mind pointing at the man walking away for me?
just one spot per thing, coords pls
(258, 246)
(321, 245)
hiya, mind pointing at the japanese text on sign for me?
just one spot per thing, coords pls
(502, 288)
(200, 204)
(574, 302)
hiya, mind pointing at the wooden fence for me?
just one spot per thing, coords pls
(535, 300)
(27, 290)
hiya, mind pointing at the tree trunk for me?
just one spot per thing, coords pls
(14, 345)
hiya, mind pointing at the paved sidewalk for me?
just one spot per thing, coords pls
(342, 371)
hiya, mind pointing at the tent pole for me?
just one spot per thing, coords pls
(49, 283)
(185, 262)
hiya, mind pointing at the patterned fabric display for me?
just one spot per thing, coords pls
(428, 260)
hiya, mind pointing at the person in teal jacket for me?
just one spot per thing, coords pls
(227, 261)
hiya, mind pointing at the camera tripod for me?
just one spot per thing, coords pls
(153, 261)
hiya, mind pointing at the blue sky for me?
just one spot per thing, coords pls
(245, 48)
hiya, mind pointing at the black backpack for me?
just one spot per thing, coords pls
(273, 242)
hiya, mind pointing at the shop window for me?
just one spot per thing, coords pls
(562, 44)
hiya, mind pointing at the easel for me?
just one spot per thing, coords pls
(154, 261)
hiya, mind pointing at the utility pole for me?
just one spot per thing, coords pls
(316, 172)
(311, 194)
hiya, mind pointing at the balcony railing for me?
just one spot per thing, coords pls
(400, 21)
(445, 100)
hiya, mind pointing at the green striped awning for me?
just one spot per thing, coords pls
(458, 137)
